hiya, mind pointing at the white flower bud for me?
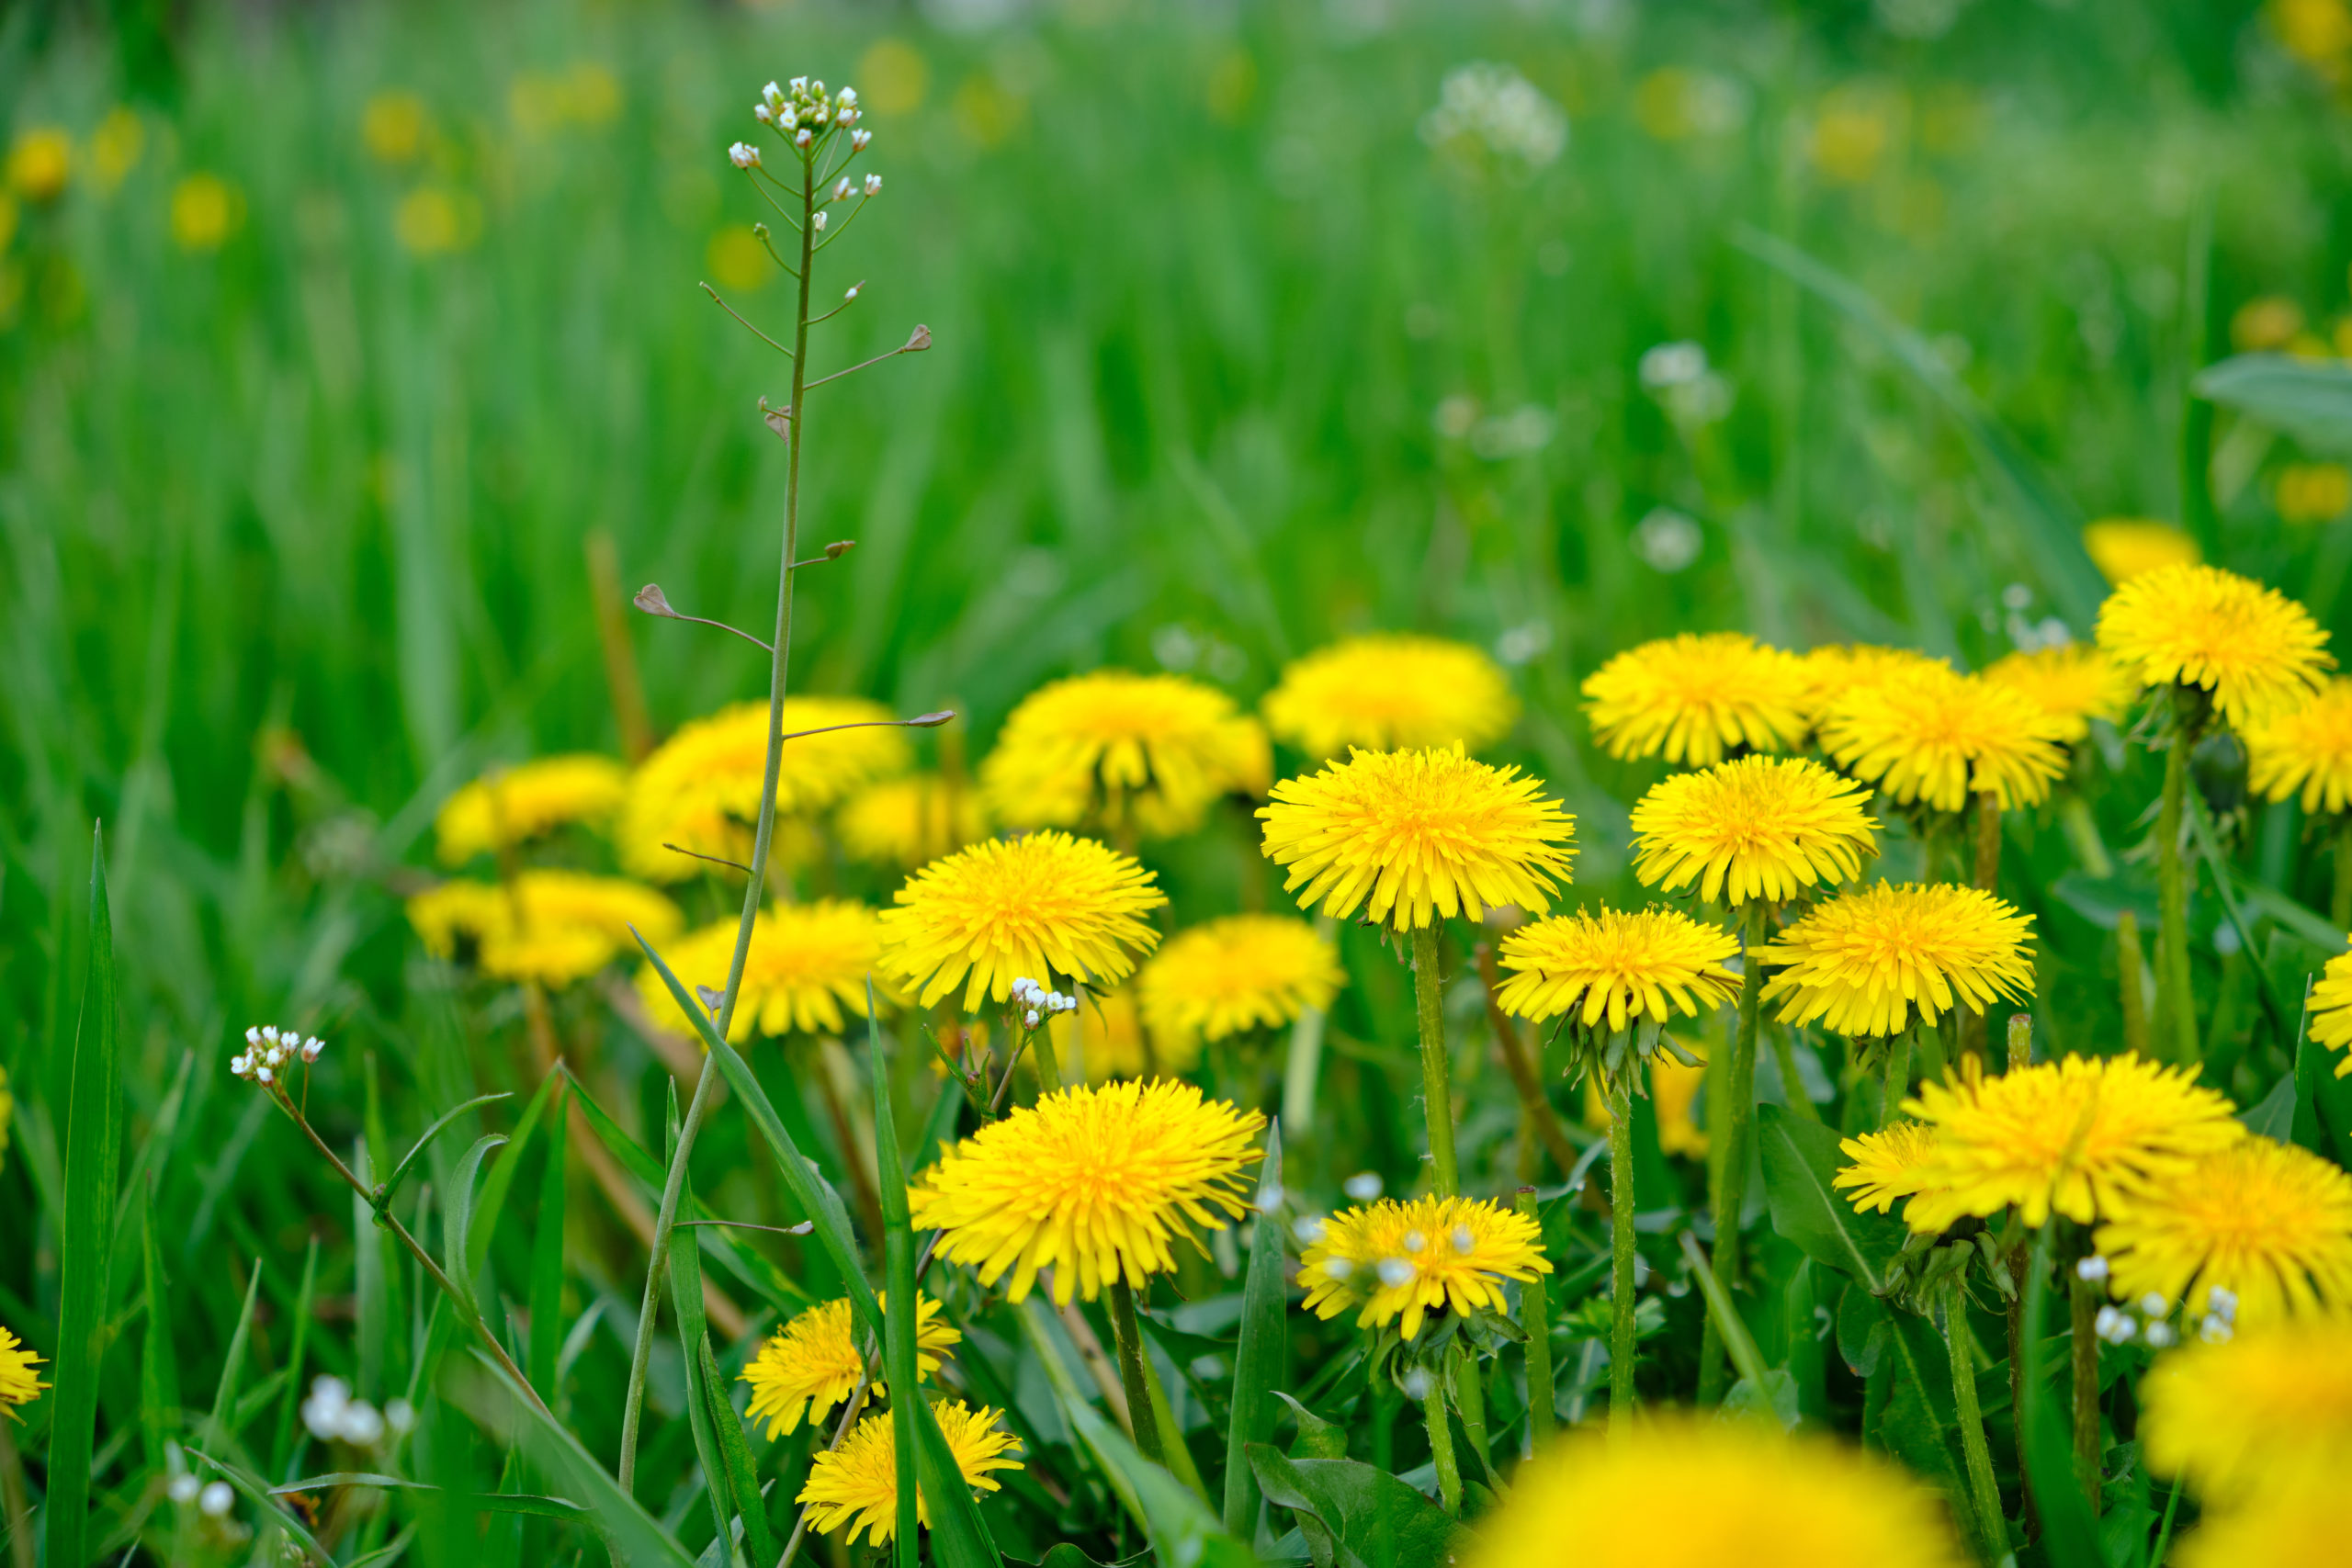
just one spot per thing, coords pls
(1363, 1187)
(800, 85)
(851, 292)
(2215, 1329)
(845, 116)
(764, 114)
(1337, 1268)
(1311, 1228)
(1416, 1384)
(802, 137)
(1463, 1241)
(817, 88)
(311, 1047)
(874, 185)
(1415, 1241)
(773, 94)
(2115, 1327)
(787, 118)
(1394, 1272)
(265, 1074)
(253, 1035)
(841, 189)
(399, 1416)
(184, 1489)
(849, 97)
(2160, 1335)
(2221, 1304)
(858, 139)
(816, 220)
(743, 155)
(1030, 1018)
(2154, 1305)
(217, 1498)
(2092, 1268)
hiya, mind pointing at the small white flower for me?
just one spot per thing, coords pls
(858, 139)
(800, 85)
(311, 1047)
(1416, 1384)
(1311, 1228)
(874, 185)
(773, 94)
(816, 220)
(801, 137)
(841, 189)
(1337, 1268)
(764, 114)
(184, 1489)
(2154, 1305)
(1395, 1271)
(845, 116)
(362, 1427)
(851, 292)
(743, 155)
(787, 118)
(2116, 1328)
(269, 1032)
(1363, 1187)
(849, 97)
(217, 1498)
(2215, 1329)
(2160, 1335)
(817, 88)
(252, 1037)
(265, 1074)
(1270, 1199)
(2221, 1304)
(2092, 1268)
(1415, 1241)
(1030, 1018)
(399, 1416)
(1462, 1240)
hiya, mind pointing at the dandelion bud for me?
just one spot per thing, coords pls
(217, 1499)
(802, 138)
(817, 222)
(858, 139)
(874, 185)
(764, 114)
(743, 155)
(842, 189)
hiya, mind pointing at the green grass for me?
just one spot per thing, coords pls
(292, 541)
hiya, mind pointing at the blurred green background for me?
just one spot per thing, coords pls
(330, 336)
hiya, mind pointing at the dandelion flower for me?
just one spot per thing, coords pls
(2330, 1007)
(521, 803)
(812, 1363)
(1041, 905)
(2256, 651)
(2080, 1137)
(2306, 750)
(1684, 1491)
(1144, 753)
(19, 1383)
(906, 822)
(1875, 960)
(1092, 1183)
(1927, 734)
(700, 789)
(1398, 1261)
(857, 1483)
(1391, 692)
(1691, 699)
(2072, 684)
(1886, 1165)
(1756, 828)
(2242, 1414)
(1414, 836)
(2290, 1524)
(804, 973)
(554, 927)
(1829, 675)
(1104, 1035)
(1244, 971)
(2266, 1222)
(2125, 548)
(1617, 966)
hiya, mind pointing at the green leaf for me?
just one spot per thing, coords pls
(2069, 1536)
(901, 1370)
(501, 1180)
(1318, 1438)
(2310, 400)
(1801, 1159)
(159, 1379)
(1357, 1513)
(743, 1468)
(219, 1430)
(93, 1164)
(546, 1258)
(2274, 1117)
(685, 1303)
(1775, 1397)
(486, 1501)
(252, 1488)
(458, 1221)
(408, 1160)
(635, 1537)
(1259, 1359)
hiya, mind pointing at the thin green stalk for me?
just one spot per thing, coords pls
(2163, 1532)
(2339, 903)
(1739, 1118)
(1303, 1068)
(1437, 1091)
(1471, 1400)
(1535, 1317)
(1124, 1329)
(2083, 1298)
(2132, 970)
(1041, 1055)
(1898, 1075)
(2175, 1006)
(1449, 1469)
(1621, 1236)
(1975, 1024)
(1784, 1053)
(1987, 1491)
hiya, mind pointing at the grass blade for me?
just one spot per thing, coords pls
(547, 1258)
(1259, 1363)
(457, 1222)
(637, 1539)
(2069, 1535)
(219, 1427)
(93, 1164)
(281, 1448)
(686, 1305)
(159, 1378)
(424, 1141)
(257, 1491)
(902, 1370)
(495, 1187)
(742, 1470)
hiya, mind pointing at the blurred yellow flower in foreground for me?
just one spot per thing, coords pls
(905, 821)
(1390, 692)
(1851, 133)
(512, 804)
(2307, 750)
(2317, 32)
(115, 145)
(2123, 548)
(394, 126)
(2313, 492)
(2072, 684)
(1677, 103)
(206, 210)
(432, 221)
(583, 95)
(805, 972)
(40, 161)
(2264, 324)
(738, 262)
(554, 927)
(892, 78)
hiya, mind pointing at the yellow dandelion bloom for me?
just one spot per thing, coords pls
(2305, 750)
(1756, 828)
(2250, 1413)
(2269, 1223)
(1244, 971)
(1092, 1183)
(40, 162)
(804, 973)
(910, 821)
(206, 210)
(1685, 1491)
(2290, 1524)
(2313, 492)
(394, 126)
(1829, 675)
(1035, 907)
(2258, 652)
(2080, 1137)
(1886, 1165)
(1929, 735)
(554, 927)
(812, 1363)
(857, 1483)
(1391, 692)
(19, 1382)
(1674, 1093)
(1411, 837)
(1143, 753)
(2123, 548)
(1398, 1261)
(1616, 965)
(1879, 958)
(524, 802)
(1104, 1040)
(2330, 1007)
(700, 789)
(2072, 684)
(1691, 699)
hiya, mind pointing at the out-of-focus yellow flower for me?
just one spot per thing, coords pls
(1232, 85)
(905, 821)
(2072, 684)
(1674, 1091)
(7, 221)
(1930, 736)
(805, 972)
(394, 127)
(583, 96)
(2123, 548)
(989, 113)
(892, 78)
(1147, 754)
(115, 145)
(2331, 1006)
(433, 220)
(513, 804)
(738, 260)
(2267, 1224)
(1391, 692)
(2342, 337)
(40, 162)
(2290, 1524)
(1676, 103)
(2307, 750)
(1852, 132)
(2272, 1405)
(554, 927)
(1831, 672)
(2317, 32)
(1104, 1040)
(2265, 324)
(2313, 492)
(206, 210)
(1235, 975)
(1693, 697)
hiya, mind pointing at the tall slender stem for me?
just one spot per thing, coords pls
(2175, 1006)
(1042, 1059)
(1437, 1089)
(1535, 1317)
(1973, 1030)
(1898, 1075)
(1985, 1489)
(2339, 903)
(1738, 1114)
(2132, 973)
(1124, 1328)
(2083, 1299)
(1449, 1469)
(1621, 1236)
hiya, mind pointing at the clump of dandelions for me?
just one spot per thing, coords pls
(1491, 119)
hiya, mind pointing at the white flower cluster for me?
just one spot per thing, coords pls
(332, 1415)
(1677, 376)
(804, 112)
(1039, 1003)
(2148, 1326)
(1493, 109)
(214, 1498)
(269, 1050)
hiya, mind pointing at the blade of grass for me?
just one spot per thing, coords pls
(2069, 1535)
(495, 1187)
(1259, 1361)
(424, 1141)
(93, 1163)
(257, 1491)
(901, 1370)
(159, 1378)
(281, 1448)
(218, 1428)
(547, 1259)
(456, 1222)
(685, 1303)
(743, 1468)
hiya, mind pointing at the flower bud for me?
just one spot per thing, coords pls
(849, 97)
(816, 220)
(858, 139)
(802, 138)
(762, 113)
(841, 189)
(743, 155)
(874, 185)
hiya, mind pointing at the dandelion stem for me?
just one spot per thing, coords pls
(1898, 1075)
(2176, 1008)
(2339, 903)
(1738, 1115)
(1124, 1329)
(2132, 973)
(1537, 1111)
(1784, 1053)
(1449, 1469)
(1972, 1030)
(1986, 1490)
(1535, 1317)
(2083, 1299)
(1437, 1093)
(1621, 1236)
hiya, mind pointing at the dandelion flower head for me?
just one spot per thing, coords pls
(1143, 753)
(1400, 1260)
(812, 1363)
(2332, 1009)
(2126, 547)
(1887, 1165)
(1874, 960)
(1754, 827)
(1104, 1036)
(20, 1380)
(804, 973)
(909, 821)
(1414, 836)
(1927, 734)
(1693, 697)
(857, 1483)
(2294, 1523)
(2241, 1415)
(1391, 692)
(1228, 976)
(2256, 651)
(2080, 1137)
(1682, 1491)
(2072, 684)
(526, 801)
(1614, 966)
(554, 927)
(2269, 1223)
(1092, 1183)
(1043, 905)
(2306, 750)
(1831, 672)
